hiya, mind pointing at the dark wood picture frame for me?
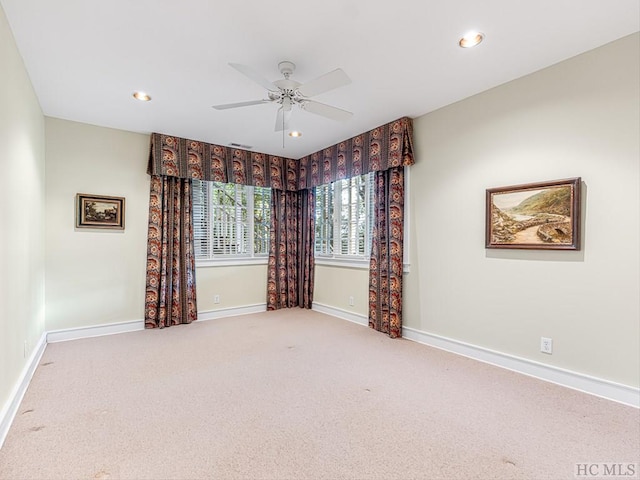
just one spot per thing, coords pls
(544, 215)
(99, 211)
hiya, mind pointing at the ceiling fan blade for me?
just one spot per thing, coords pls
(328, 81)
(255, 76)
(324, 110)
(240, 104)
(282, 119)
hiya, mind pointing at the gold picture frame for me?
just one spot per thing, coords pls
(544, 215)
(99, 211)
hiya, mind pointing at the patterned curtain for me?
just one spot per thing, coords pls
(384, 147)
(171, 296)
(183, 158)
(385, 267)
(291, 264)
(387, 146)
(171, 275)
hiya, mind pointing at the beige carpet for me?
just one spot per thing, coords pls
(298, 395)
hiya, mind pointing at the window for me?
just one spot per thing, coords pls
(344, 216)
(230, 221)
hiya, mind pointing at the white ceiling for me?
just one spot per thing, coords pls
(86, 57)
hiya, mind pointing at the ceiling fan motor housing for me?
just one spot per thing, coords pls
(288, 89)
(287, 68)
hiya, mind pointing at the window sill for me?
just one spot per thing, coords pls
(351, 263)
(358, 263)
(232, 262)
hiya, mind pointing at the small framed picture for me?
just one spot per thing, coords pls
(99, 211)
(543, 215)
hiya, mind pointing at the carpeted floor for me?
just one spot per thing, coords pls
(296, 394)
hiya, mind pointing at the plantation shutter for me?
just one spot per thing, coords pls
(230, 235)
(261, 220)
(369, 212)
(356, 210)
(201, 219)
(324, 219)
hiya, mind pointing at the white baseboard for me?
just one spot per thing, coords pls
(231, 311)
(135, 325)
(343, 314)
(94, 331)
(566, 378)
(10, 409)
(577, 381)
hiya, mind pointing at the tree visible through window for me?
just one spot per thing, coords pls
(344, 216)
(230, 220)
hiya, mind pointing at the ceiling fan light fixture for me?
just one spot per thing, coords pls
(142, 96)
(471, 39)
(295, 133)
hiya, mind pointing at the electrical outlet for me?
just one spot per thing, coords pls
(351, 301)
(216, 299)
(546, 345)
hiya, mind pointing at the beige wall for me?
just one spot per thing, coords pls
(21, 215)
(334, 286)
(94, 277)
(577, 118)
(237, 286)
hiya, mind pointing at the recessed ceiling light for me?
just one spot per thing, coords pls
(471, 39)
(295, 133)
(143, 97)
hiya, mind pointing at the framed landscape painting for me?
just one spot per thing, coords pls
(543, 215)
(99, 211)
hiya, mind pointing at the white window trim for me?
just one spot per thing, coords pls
(250, 258)
(362, 263)
(358, 264)
(344, 261)
(232, 261)
(340, 259)
(406, 244)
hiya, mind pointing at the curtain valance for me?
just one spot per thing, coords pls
(380, 149)
(179, 157)
(387, 146)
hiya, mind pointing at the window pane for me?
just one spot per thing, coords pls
(324, 219)
(229, 204)
(201, 212)
(224, 217)
(353, 220)
(262, 220)
(344, 217)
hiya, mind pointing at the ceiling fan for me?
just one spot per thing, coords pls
(287, 93)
